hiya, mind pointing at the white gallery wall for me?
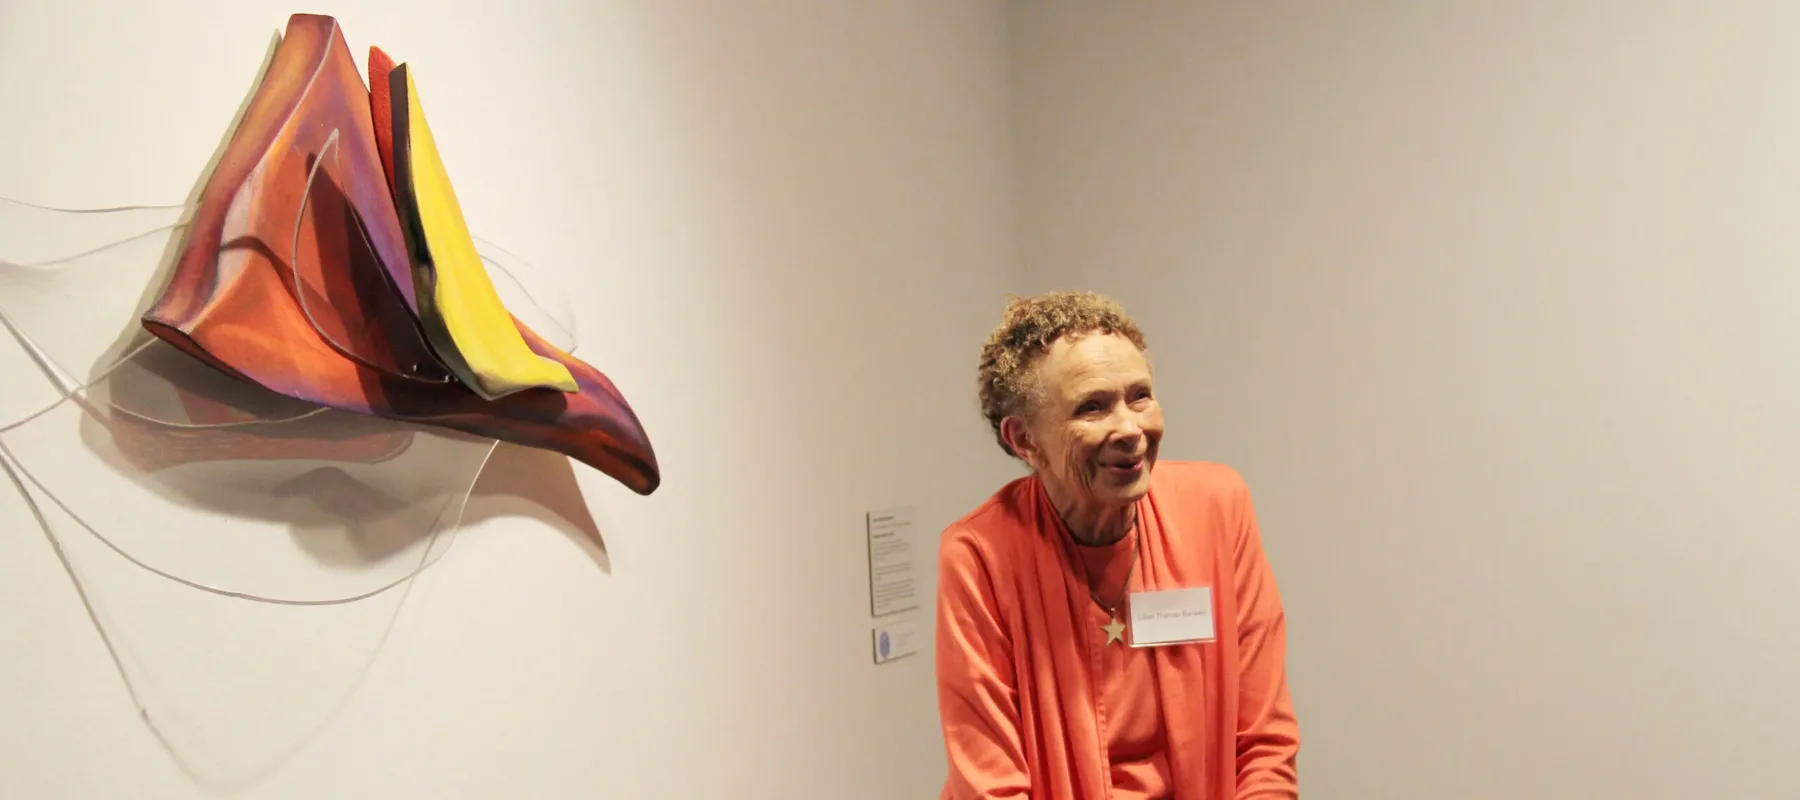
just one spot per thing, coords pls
(782, 229)
(1493, 307)
(1496, 307)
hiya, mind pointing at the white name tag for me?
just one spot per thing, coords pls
(1173, 616)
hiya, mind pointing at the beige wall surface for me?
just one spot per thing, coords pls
(1495, 306)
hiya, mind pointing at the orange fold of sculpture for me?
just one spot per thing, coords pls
(295, 276)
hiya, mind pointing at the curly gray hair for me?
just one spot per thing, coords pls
(1027, 329)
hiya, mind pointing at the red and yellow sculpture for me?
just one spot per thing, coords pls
(328, 260)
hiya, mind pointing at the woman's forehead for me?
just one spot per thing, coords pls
(1093, 363)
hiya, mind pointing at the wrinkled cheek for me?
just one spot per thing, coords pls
(1080, 475)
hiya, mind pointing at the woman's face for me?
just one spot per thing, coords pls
(1093, 437)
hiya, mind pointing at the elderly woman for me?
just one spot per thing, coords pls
(1108, 626)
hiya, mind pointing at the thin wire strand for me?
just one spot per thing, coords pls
(26, 473)
(299, 286)
(106, 210)
(332, 144)
(50, 364)
(331, 141)
(568, 331)
(40, 265)
(10, 463)
(67, 393)
(425, 559)
(81, 390)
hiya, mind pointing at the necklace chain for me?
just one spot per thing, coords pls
(1124, 588)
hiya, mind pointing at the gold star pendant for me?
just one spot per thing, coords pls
(1115, 631)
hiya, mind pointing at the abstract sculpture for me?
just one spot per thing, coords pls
(328, 261)
(328, 368)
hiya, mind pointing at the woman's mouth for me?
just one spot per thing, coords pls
(1129, 466)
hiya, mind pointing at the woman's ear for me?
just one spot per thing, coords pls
(1018, 437)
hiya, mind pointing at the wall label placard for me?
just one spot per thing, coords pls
(896, 640)
(893, 562)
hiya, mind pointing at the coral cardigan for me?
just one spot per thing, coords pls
(1016, 693)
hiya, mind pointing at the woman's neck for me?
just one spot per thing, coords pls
(1092, 524)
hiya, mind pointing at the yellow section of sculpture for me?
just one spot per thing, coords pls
(476, 320)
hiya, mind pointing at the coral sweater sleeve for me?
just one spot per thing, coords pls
(979, 705)
(1267, 731)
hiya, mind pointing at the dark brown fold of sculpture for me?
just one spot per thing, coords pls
(330, 324)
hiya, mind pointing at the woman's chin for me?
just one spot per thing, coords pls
(1125, 486)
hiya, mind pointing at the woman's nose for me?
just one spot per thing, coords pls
(1126, 424)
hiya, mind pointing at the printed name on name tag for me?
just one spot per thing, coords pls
(1172, 616)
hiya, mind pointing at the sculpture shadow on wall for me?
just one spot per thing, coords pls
(284, 379)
